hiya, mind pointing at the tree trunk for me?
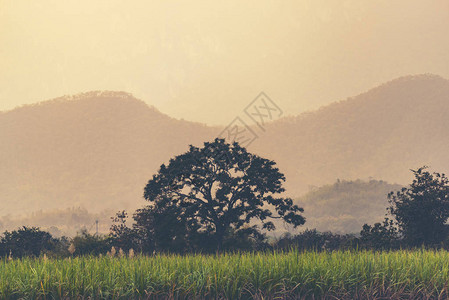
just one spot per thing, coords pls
(219, 236)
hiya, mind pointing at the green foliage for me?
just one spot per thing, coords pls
(291, 275)
(221, 187)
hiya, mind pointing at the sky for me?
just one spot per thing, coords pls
(205, 61)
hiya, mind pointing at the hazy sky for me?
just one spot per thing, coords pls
(205, 60)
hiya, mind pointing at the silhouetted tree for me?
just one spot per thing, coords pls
(161, 228)
(311, 239)
(86, 243)
(123, 236)
(380, 236)
(155, 228)
(222, 187)
(26, 241)
(246, 238)
(422, 209)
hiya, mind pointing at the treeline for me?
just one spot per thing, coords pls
(341, 207)
(30, 241)
(419, 215)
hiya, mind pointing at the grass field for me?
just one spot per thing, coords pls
(294, 274)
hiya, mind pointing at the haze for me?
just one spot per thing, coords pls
(205, 61)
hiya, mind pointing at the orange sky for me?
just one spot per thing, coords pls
(205, 61)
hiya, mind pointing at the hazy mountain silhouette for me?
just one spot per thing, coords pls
(380, 134)
(346, 205)
(97, 150)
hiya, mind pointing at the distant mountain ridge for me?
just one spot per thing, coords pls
(381, 134)
(97, 150)
(93, 150)
(346, 205)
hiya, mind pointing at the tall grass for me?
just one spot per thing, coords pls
(293, 274)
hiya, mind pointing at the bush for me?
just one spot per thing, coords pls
(86, 243)
(380, 236)
(27, 241)
(318, 241)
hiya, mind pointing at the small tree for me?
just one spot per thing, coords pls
(161, 228)
(221, 187)
(316, 241)
(26, 241)
(422, 209)
(380, 235)
(86, 243)
(122, 236)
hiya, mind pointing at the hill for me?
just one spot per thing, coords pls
(97, 150)
(346, 205)
(94, 150)
(383, 133)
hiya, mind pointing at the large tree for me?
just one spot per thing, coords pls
(222, 187)
(422, 209)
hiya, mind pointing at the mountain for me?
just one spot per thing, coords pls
(94, 150)
(97, 150)
(383, 133)
(346, 205)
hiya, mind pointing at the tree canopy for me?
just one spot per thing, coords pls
(422, 209)
(222, 187)
(26, 241)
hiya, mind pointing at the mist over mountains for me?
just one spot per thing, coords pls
(97, 150)
(345, 206)
(380, 134)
